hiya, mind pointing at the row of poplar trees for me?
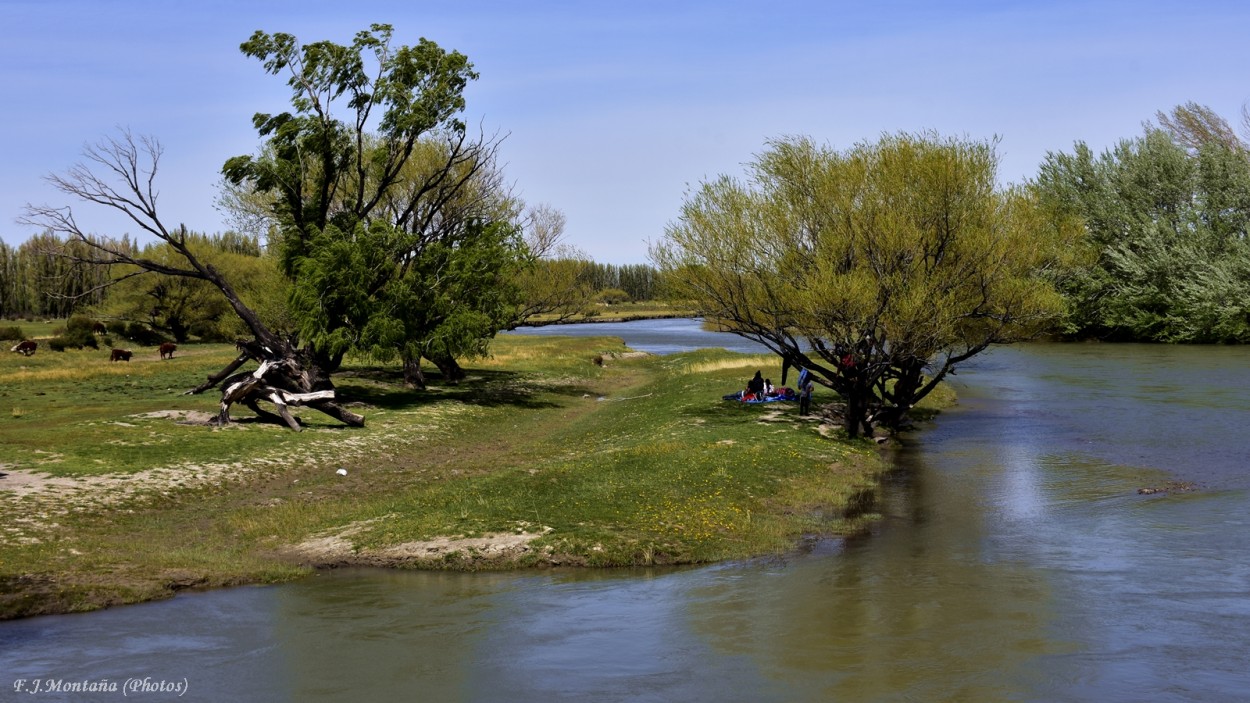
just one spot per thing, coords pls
(37, 281)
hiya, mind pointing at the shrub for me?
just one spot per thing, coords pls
(79, 323)
(14, 332)
(612, 296)
(83, 338)
(140, 334)
(76, 338)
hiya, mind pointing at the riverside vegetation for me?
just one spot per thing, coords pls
(117, 490)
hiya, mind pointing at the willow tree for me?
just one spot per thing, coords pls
(878, 268)
(555, 284)
(181, 307)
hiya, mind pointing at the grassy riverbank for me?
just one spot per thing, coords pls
(622, 312)
(116, 492)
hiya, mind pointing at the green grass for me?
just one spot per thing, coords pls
(75, 412)
(35, 329)
(637, 461)
(662, 471)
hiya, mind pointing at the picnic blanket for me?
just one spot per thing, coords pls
(781, 394)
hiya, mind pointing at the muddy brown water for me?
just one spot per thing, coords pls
(1016, 562)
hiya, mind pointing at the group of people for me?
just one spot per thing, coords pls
(760, 388)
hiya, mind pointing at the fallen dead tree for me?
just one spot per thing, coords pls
(281, 380)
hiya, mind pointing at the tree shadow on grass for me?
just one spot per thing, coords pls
(384, 388)
(721, 413)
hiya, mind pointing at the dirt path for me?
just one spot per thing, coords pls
(34, 502)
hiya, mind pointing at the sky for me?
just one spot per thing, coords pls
(614, 112)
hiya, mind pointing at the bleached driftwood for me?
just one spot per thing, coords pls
(249, 388)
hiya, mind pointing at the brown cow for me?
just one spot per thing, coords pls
(168, 349)
(120, 355)
(25, 347)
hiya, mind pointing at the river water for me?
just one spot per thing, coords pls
(1016, 562)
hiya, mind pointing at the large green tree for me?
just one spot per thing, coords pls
(1168, 215)
(878, 268)
(336, 170)
(365, 206)
(322, 164)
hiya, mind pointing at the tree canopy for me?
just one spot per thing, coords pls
(1167, 216)
(878, 268)
(320, 164)
(378, 195)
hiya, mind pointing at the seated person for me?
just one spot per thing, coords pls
(756, 385)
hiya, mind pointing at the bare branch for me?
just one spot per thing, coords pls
(545, 230)
(133, 166)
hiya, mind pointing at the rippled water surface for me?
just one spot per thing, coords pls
(1016, 562)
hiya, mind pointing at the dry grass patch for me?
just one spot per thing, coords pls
(737, 362)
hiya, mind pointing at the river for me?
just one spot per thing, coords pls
(1016, 562)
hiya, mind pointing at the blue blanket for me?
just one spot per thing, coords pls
(742, 397)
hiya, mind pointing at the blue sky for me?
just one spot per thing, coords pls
(614, 110)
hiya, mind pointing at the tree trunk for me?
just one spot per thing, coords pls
(902, 397)
(448, 366)
(413, 377)
(180, 331)
(853, 412)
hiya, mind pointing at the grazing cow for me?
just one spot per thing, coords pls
(25, 347)
(98, 328)
(120, 355)
(168, 349)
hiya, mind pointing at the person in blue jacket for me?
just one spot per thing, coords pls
(805, 392)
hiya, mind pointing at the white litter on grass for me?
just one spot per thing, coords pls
(341, 472)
